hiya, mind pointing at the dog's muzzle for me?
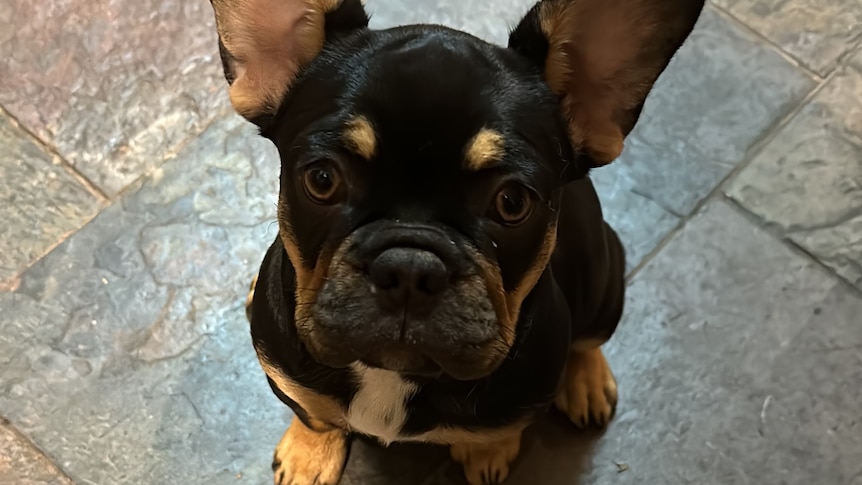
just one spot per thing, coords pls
(406, 298)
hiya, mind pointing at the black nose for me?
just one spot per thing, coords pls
(408, 278)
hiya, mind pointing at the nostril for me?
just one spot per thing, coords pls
(408, 275)
(383, 274)
(434, 279)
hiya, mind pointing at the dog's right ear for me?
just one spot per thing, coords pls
(265, 43)
(602, 58)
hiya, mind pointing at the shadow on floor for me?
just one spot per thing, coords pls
(553, 452)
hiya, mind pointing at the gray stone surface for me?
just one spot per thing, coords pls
(817, 32)
(807, 182)
(491, 21)
(40, 202)
(125, 353)
(114, 85)
(22, 464)
(738, 362)
(722, 93)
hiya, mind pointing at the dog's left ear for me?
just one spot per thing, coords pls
(602, 58)
(264, 44)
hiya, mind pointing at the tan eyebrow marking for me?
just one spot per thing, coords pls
(485, 148)
(360, 137)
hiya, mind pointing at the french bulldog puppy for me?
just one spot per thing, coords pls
(442, 272)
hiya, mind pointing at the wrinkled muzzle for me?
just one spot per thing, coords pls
(409, 298)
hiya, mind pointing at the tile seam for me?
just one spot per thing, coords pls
(775, 47)
(774, 232)
(32, 445)
(750, 154)
(90, 186)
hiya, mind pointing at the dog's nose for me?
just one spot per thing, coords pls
(408, 278)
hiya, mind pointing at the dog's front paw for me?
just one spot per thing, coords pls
(487, 463)
(307, 457)
(589, 392)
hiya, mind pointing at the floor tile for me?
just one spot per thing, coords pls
(125, 355)
(721, 94)
(22, 464)
(640, 221)
(817, 32)
(40, 202)
(491, 21)
(807, 181)
(114, 85)
(738, 362)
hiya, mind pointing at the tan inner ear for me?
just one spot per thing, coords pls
(270, 41)
(594, 63)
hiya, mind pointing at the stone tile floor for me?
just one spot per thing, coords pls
(135, 207)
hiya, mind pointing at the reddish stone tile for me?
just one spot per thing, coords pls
(22, 464)
(114, 85)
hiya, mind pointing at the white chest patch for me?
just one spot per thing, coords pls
(379, 407)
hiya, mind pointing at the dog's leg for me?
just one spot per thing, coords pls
(250, 297)
(487, 462)
(308, 457)
(589, 392)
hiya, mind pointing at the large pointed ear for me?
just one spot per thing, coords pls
(265, 43)
(602, 58)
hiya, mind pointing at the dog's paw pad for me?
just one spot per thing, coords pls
(306, 457)
(589, 393)
(487, 464)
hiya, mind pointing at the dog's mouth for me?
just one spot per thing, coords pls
(399, 357)
(409, 298)
(450, 340)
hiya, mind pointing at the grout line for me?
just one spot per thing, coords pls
(758, 146)
(172, 153)
(775, 231)
(88, 184)
(843, 59)
(13, 282)
(750, 155)
(28, 442)
(787, 56)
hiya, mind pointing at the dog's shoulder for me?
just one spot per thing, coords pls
(295, 377)
(588, 263)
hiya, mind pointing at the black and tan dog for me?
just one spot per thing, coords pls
(443, 272)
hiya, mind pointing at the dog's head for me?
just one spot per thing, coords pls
(422, 167)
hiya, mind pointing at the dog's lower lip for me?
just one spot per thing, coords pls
(430, 372)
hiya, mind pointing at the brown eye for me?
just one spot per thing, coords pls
(512, 204)
(322, 183)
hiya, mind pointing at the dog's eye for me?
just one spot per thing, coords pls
(513, 204)
(322, 183)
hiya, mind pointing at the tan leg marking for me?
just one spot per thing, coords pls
(323, 411)
(487, 463)
(589, 392)
(250, 297)
(306, 457)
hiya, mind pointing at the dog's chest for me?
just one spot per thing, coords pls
(379, 407)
